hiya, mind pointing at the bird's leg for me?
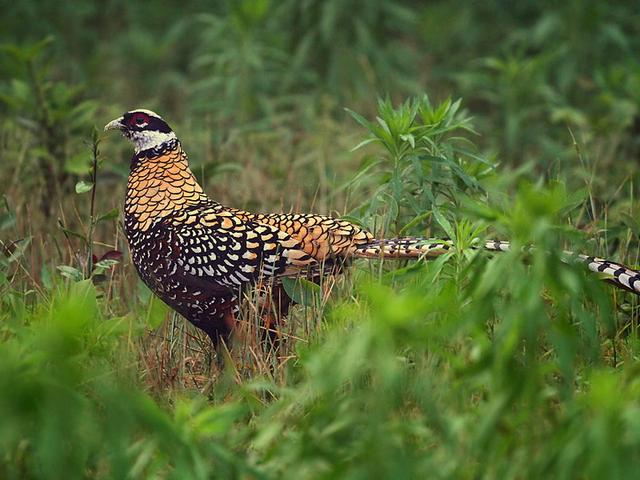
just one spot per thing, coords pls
(218, 329)
(222, 350)
(274, 306)
(267, 311)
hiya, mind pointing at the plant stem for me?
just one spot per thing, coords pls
(92, 220)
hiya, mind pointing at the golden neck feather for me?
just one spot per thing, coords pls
(160, 186)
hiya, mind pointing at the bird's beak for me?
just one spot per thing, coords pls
(115, 124)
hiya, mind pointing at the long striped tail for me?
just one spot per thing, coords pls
(415, 247)
(403, 247)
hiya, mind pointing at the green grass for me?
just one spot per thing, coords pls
(472, 365)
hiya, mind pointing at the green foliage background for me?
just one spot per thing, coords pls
(471, 120)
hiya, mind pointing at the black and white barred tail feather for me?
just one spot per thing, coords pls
(414, 247)
(403, 247)
(615, 273)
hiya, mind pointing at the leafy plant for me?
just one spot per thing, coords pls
(239, 61)
(90, 266)
(52, 111)
(425, 165)
(351, 49)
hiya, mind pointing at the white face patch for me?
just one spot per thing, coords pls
(148, 139)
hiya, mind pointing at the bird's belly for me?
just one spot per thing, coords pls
(193, 298)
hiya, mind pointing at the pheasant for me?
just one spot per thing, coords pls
(198, 256)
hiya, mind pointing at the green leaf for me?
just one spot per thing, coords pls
(415, 221)
(78, 164)
(351, 219)
(110, 215)
(45, 277)
(156, 313)
(443, 222)
(631, 223)
(301, 291)
(20, 248)
(71, 233)
(103, 265)
(363, 143)
(360, 119)
(83, 187)
(7, 220)
(409, 138)
(70, 272)
(117, 326)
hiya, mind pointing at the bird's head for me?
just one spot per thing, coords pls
(145, 129)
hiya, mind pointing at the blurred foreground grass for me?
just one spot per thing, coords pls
(469, 366)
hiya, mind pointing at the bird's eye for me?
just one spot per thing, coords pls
(139, 120)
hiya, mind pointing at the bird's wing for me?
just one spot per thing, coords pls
(222, 248)
(319, 236)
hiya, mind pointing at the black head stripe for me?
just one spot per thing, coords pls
(153, 123)
(158, 125)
